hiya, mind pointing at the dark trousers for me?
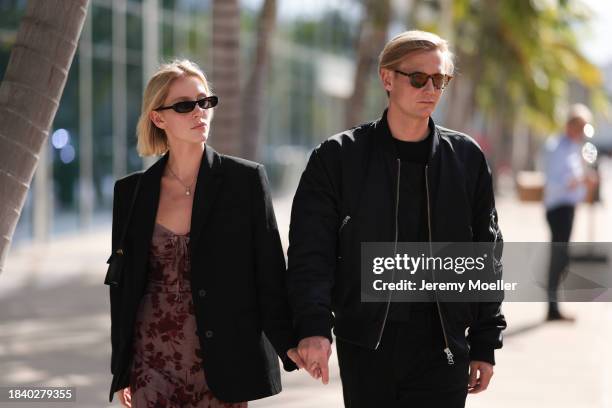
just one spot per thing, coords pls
(409, 369)
(560, 220)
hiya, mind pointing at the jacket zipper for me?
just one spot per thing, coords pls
(342, 225)
(447, 350)
(397, 190)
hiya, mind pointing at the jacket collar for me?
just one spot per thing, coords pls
(206, 192)
(385, 138)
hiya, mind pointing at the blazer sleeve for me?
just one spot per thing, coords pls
(270, 273)
(312, 249)
(114, 292)
(485, 334)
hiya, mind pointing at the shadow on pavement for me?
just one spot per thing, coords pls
(57, 336)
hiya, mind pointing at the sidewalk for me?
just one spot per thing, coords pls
(54, 328)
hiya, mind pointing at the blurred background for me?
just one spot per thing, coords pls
(296, 72)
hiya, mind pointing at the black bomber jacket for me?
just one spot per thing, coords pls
(348, 195)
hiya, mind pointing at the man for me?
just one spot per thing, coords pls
(566, 186)
(400, 178)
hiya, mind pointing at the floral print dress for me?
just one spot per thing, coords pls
(167, 367)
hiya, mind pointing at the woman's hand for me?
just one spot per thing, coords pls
(295, 357)
(125, 397)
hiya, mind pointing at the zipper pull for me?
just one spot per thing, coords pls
(449, 356)
(344, 222)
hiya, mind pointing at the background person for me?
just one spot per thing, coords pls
(567, 182)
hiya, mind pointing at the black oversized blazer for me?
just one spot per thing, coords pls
(237, 276)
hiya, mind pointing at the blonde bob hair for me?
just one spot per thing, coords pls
(413, 41)
(152, 141)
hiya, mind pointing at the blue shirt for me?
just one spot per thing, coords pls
(563, 163)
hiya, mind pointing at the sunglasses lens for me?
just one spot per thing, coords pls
(208, 102)
(184, 107)
(439, 81)
(418, 79)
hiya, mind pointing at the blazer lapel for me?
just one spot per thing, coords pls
(207, 189)
(145, 213)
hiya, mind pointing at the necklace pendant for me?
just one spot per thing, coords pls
(187, 192)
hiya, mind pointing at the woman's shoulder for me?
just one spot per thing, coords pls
(239, 165)
(127, 182)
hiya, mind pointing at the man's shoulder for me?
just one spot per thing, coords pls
(554, 143)
(459, 140)
(346, 139)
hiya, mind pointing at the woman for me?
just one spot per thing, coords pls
(201, 313)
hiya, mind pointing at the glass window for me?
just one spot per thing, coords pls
(102, 131)
(134, 32)
(134, 97)
(167, 37)
(65, 144)
(11, 12)
(102, 25)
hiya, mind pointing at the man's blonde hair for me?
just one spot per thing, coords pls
(152, 141)
(413, 41)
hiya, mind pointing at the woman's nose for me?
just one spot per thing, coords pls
(199, 112)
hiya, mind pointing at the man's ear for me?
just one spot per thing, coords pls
(157, 119)
(386, 76)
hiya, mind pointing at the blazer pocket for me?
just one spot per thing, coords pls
(115, 271)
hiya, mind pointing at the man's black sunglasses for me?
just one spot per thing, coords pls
(188, 106)
(419, 79)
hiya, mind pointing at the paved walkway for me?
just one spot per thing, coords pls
(54, 328)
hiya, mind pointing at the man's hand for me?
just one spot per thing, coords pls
(314, 352)
(481, 382)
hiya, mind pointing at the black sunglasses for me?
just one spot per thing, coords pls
(188, 106)
(419, 79)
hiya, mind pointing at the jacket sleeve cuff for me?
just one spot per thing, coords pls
(288, 364)
(482, 353)
(310, 326)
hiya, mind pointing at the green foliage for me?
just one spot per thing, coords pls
(522, 56)
(332, 32)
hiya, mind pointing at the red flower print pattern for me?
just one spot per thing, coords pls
(167, 367)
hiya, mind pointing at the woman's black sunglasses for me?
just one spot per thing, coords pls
(188, 106)
(419, 79)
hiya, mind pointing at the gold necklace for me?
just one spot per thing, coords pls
(187, 187)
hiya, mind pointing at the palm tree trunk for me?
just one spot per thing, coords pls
(372, 37)
(254, 92)
(29, 97)
(225, 134)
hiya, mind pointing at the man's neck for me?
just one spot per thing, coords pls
(407, 128)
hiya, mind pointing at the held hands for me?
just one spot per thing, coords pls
(312, 354)
(481, 382)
